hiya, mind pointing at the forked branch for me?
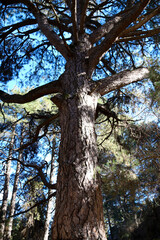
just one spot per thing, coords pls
(43, 24)
(111, 30)
(38, 129)
(141, 21)
(11, 28)
(39, 170)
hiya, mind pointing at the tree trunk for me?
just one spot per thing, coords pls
(13, 199)
(109, 223)
(79, 209)
(50, 201)
(14, 192)
(6, 189)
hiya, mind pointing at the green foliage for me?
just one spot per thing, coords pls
(26, 118)
(129, 167)
(155, 78)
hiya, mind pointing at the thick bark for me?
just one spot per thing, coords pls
(79, 210)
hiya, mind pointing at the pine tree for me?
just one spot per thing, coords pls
(90, 35)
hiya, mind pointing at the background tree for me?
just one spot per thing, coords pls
(6, 186)
(23, 120)
(129, 166)
(50, 191)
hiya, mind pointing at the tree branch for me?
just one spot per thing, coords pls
(31, 7)
(111, 30)
(119, 80)
(68, 2)
(43, 24)
(139, 35)
(107, 66)
(101, 108)
(39, 127)
(35, 205)
(15, 26)
(83, 16)
(142, 20)
(39, 170)
(59, 26)
(98, 7)
(49, 88)
(130, 3)
(74, 20)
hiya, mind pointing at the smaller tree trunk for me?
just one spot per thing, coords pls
(109, 223)
(14, 192)
(13, 199)
(49, 206)
(6, 189)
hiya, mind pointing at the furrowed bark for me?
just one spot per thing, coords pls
(79, 210)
